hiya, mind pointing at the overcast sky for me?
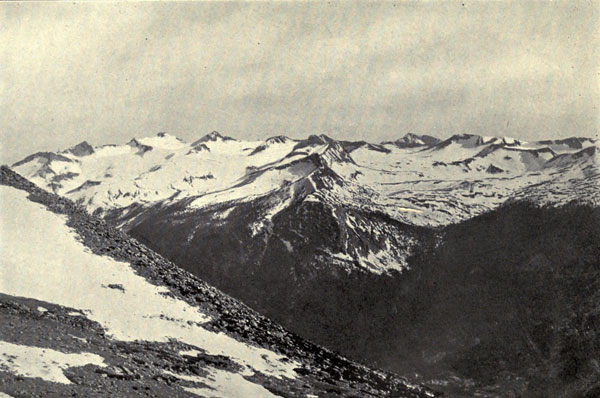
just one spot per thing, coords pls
(106, 72)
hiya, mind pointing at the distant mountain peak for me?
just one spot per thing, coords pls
(464, 136)
(278, 139)
(411, 140)
(134, 143)
(212, 137)
(464, 140)
(319, 139)
(81, 149)
(45, 157)
(411, 137)
(314, 140)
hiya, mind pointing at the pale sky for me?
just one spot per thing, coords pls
(107, 72)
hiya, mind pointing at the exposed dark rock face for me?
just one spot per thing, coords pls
(494, 170)
(82, 149)
(137, 369)
(46, 157)
(142, 149)
(411, 140)
(213, 136)
(572, 142)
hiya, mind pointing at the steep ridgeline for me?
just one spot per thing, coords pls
(87, 311)
(328, 237)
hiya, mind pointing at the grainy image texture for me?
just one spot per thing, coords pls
(300, 199)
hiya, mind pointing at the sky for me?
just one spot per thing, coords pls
(106, 72)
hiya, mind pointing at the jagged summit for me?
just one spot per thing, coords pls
(81, 149)
(411, 140)
(463, 140)
(314, 139)
(44, 158)
(212, 136)
(134, 142)
(141, 148)
(271, 141)
(278, 139)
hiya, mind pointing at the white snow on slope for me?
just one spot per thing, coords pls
(44, 363)
(121, 175)
(162, 141)
(224, 384)
(48, 263)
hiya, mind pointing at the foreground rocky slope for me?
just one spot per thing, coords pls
(88, 311)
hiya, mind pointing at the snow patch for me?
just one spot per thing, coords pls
(162, 141)
(222, 383)
(82, 339)
(191, 353)
(222, 215)
(75, 313)
(409, 210)
(44, 363)
(288, 245)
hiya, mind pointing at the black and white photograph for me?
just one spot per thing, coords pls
(312, 199)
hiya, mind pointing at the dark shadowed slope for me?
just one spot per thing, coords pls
(509, 300)
(503, 302)
(87, 311)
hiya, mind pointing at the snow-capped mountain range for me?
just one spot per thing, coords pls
(417, 180)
